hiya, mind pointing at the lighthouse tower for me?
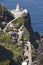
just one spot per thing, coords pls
(18, 11)
(18, 8)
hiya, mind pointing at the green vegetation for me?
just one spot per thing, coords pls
(6, 40)
(5, 15)
(33, 52)
(9, 29)
(8, 43)
(5, 62)
(19, 22)
(29, 33)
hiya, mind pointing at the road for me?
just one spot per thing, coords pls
(20, 33)
(28, 52)
(8, 24)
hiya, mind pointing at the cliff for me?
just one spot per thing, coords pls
(6, 41)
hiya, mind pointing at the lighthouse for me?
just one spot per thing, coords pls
(18, 12)
(18, 8)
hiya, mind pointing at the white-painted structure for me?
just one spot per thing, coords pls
(18, 12)
(24, 63)
(18, 8)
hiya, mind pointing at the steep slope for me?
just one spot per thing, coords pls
(30, 35)
(5, 16)
(39, 54)
(33, 37)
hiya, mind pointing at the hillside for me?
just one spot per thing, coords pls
(5, 16)
(10, 52)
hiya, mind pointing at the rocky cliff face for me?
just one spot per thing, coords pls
(39, 54)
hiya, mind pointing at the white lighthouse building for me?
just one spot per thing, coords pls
(18, 12)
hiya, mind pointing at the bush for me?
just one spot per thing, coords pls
(5, 38)
(19, 22)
